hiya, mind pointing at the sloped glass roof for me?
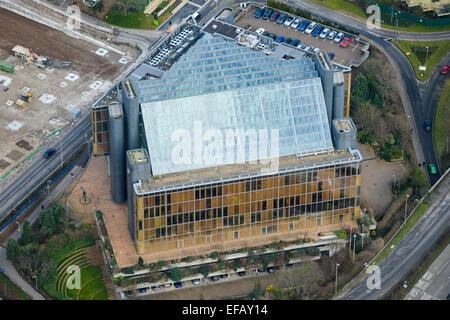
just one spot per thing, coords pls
(218, 85)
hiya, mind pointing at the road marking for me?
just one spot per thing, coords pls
(355, 47)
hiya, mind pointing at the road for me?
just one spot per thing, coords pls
(411, 248)
(434, 284)
(379, 37)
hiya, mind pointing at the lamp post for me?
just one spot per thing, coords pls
(20, 226)
(394, 180)
(426, 60)
(354, 246)
(335, 287)
(406, 205)
(60, 148)
(36, 277)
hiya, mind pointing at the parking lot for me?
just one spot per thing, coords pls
(344, 56)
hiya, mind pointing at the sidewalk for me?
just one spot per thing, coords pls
(5, 264)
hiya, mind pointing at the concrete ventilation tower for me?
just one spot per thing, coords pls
(117, 152)
(326, 72)
(131, 107)
(338, 95)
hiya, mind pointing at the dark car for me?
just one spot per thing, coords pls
(143, 290)
(281, 18)
(267, 13)
(331, 55)
(273, 36)
(266, 33)
(295, 42)
(317, 31)
(280, 39)
(259, 13)
(130, 293)
(427, 125)
(223, 276)
(271, 269)
(287, 41)
(432, 168)
(177, 284)
(214, 278)
(303, 25)
(241, 273)
(49, 153)
(155, 288)
(274, 16)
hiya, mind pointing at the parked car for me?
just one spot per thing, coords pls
(339, 37)
(331, 35)
(259, 13)
(287, 40)
(279, 39)
(266, 33)
(260, 31)
(278, 267)
(122, 295)
(310, 27)
(301, 46)
(288, 21)
(271, 270)
(295, 42)
(302, 26)
(324, 33)
(281, 18)
(317, 31)
(316, 50)
(274, 16)
(308, 48)
(241, 273)
(178, 285)
(296, 23)
(273, 36)
(155, 288)
(223, 276)
(427, 125)
(196, 281)
(143, 290)
(166, 285)
(267, 13)
(344, 43)
(444, 69)
(432, 168)
(331, 55)
(130, 293)
(214, 278)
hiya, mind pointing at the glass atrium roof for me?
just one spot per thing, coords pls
(218, 85)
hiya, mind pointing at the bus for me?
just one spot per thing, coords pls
(5, 66)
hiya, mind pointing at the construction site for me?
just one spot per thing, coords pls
(47, 81)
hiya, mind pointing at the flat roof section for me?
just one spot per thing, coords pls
(232, 172)
(343, 125)
(137, 156)
(225, 29)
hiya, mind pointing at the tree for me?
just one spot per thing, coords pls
(176, 274)
(13, 250)
(51, 220)
(27, 234)
(140, 262)
(302, 280)
(204, 270)
(214, 255)
(418, 179)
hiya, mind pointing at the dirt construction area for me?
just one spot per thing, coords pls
(55, 90)
(343, 56)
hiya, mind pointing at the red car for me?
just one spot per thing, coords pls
(444, 69)
(346, 41)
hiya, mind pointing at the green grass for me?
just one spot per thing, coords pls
(5, 281)
(403, 231)
(408, 47)
(68, 249)
(91, 283)
(135, 20)
(342, 5)
(442, 125)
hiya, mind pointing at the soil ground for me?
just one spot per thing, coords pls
(39, 118)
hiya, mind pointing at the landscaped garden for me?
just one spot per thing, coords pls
(50, 248)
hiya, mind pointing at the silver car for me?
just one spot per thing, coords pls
(339, 37)
(288, 21)
(295, 23)
(331, 35)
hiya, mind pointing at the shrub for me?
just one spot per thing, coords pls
(306, 240)
(341, 234)
(301, 251)
(160, 264)
(140, 261)
(176, 274)
(204, 270)
(98, 214)
(187, 259)
(214, 255)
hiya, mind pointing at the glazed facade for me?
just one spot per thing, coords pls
(251, 208)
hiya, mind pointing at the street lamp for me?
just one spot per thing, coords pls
(406, 205)
(394, 180)
(426, 60)
(335, 288)
(36, 277)
(354, 246)
(20, 227)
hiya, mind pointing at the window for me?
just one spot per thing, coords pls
(291, 226)
(264, 205)
(236, 235)
(269, 229)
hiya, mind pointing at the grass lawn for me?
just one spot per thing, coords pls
(342, 5)
(7, 283)
(403, 231)
(416, 49)
(442, 126)
(91, 283)
(135, 20)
